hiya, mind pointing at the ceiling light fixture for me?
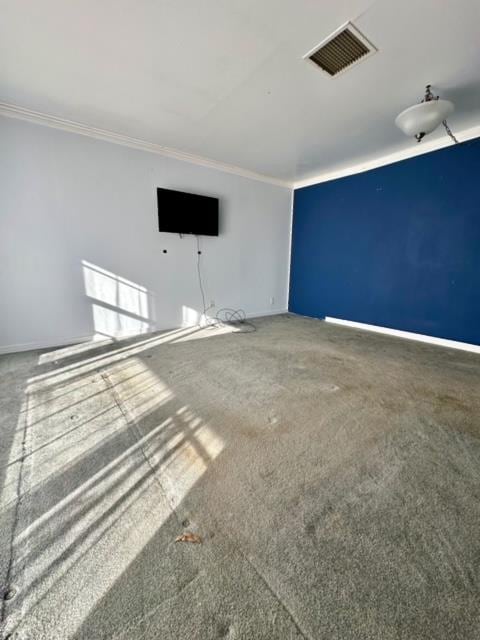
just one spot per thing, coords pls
(425, 117)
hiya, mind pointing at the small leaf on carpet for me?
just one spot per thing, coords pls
(189, 537)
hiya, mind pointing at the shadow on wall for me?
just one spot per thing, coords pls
(119, 307)
(122, 308)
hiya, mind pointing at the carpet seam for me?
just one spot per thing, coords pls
(132, 423)
(303, 633)
(20, 494)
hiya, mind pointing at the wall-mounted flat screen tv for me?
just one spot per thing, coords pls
(180, 212)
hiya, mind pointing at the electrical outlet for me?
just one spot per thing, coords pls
(272, 301)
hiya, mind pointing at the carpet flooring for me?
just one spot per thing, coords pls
(332, 476)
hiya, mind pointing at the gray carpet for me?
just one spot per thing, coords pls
(332, 474)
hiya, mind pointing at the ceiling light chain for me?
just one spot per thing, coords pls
(428, 97)
(449, 131)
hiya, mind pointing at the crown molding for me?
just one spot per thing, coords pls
(14, 111)
(404, 154)
(21, 113)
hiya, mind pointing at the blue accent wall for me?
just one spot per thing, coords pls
(397, 246)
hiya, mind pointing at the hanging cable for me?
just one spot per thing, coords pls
(199, 272)
(236, 318)
(225, 316)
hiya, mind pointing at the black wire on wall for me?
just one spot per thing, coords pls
(225, 316)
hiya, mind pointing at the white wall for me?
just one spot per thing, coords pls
(80, 252)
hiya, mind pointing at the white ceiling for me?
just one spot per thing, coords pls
(226, 79)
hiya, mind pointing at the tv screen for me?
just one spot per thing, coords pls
(180, 212)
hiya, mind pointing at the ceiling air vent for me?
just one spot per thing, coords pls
(341, 49)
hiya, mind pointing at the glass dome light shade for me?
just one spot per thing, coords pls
(423, 117)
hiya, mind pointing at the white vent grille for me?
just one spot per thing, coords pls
(342, 49)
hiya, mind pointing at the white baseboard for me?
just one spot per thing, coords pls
(63, 342)
(419, 337)
(44, 344)
(260, 314)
